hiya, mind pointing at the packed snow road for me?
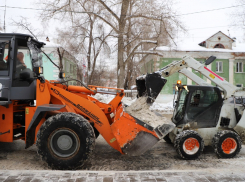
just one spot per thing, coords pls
(162, 156)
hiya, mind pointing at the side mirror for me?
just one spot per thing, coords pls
(210, 60)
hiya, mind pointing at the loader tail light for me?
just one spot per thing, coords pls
(38, 70)
(178, 82)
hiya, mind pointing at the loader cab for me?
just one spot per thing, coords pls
(19, 54)
(198, 105)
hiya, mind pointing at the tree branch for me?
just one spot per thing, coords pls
(109, 9)
(139, 44)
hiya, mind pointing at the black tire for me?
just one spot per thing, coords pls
(227, 144)
(167, 139)
(189, 144)
(65, 141)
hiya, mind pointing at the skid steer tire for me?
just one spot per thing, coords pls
(65, 141)
(227, 144)
(189, 144)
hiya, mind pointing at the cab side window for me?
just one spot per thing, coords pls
(4, 57)
(23, 75)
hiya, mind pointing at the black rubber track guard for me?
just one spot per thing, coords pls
(151, 86)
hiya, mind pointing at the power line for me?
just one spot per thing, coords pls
(211, 10)
(208, 27)
(65, 11)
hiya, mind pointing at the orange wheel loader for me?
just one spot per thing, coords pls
(65, 120)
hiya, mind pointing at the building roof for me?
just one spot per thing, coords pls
(190, 47)
(221, 33)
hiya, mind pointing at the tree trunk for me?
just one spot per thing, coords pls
(120, 63)
(89, 51)
(128, 49)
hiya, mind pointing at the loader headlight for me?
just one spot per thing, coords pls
(178, 82)
(38, 70)
(62, 75)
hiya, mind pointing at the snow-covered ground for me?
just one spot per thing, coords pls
(163, 103)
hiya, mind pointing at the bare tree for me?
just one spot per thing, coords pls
(84, 35)
(24, 24)
(135, 23)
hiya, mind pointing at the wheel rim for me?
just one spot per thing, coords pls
(191, 146)
(229, 145)
(64, 142)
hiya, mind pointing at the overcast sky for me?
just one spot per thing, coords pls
(200, 25)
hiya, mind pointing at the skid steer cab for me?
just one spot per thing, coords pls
(65, 119)
(204, 118)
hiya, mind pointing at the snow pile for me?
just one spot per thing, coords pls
(104, 98)
(141, 110)
(164, 105)
(128, 101)
(163, 108)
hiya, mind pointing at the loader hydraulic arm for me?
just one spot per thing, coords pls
(146, 87)
(229, 89)
(181, 67)
(189, 62)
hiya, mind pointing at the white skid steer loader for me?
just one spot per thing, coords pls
(204, 115)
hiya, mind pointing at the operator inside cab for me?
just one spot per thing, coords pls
(22, 74)
(196, 100)
(20, 60)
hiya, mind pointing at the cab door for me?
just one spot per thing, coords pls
(5, 78)
(203, 106)
(23, 83)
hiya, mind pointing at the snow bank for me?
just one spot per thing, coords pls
(105, 98)
(163, 108)
(190, 46)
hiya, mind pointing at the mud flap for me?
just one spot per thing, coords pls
(150, 86)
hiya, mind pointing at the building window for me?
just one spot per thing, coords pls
(219, 67)
(219, 46)
(239, 67)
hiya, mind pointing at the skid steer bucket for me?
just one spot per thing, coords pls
(150, 86)
(134, 136)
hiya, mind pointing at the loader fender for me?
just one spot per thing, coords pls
(38, 115)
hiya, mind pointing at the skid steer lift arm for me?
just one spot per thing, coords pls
(181, 66)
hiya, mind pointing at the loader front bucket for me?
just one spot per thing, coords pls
(150, 86)
(134, 136)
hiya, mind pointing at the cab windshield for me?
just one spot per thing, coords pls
(180, 106)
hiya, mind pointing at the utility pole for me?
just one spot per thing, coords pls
(4, 27)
